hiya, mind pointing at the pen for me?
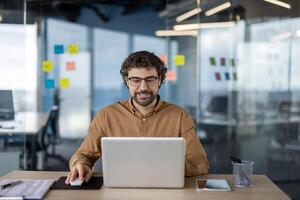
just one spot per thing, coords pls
(10, 184)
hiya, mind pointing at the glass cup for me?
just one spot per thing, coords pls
(242, 173)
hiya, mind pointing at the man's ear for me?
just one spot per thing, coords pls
(126, 82)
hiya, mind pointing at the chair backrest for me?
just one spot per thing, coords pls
(52, 123)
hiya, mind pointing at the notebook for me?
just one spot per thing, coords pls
(147, 162)
(28, 189)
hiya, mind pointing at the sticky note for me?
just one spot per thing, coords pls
(70, 66)
(179, 60)
(49, 84)
(73, 49)
(58, 49)
(217, 76)
(223, 61)
(212, 61)
(235, 76)
(64, 83)
(232, 62)
(47, 66)
(171, 75)
(164, 58)
(227, 76)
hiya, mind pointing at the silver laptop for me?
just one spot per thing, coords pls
(147, 162)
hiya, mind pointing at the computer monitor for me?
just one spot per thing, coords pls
(6, 105)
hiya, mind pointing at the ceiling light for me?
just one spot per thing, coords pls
(1, 18)
(279, 3)
(175, 33)
(203, 26)
(217, 9)
(298, 33)
(188, 14)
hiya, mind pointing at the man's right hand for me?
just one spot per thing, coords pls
(83, 171)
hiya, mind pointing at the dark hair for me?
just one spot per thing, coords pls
(143, 59)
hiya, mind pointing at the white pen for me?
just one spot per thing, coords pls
(10, 184)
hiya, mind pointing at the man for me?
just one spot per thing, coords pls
(144, 114)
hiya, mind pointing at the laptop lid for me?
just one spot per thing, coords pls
(147, 162)
(6, 105)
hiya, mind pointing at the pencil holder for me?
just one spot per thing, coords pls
(242, 173)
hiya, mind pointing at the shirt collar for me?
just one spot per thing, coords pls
(131, 107)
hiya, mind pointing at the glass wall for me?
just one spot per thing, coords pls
(18, 87)
(110, 49)
(239, 79)
(240, 82)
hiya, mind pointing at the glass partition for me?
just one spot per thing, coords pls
(234, 70)
(240, 82)
(18, 85)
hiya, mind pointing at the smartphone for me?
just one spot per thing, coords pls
(212, 185)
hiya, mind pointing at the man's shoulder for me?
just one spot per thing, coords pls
(173, 107)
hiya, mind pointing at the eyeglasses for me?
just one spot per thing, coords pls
(136, 81)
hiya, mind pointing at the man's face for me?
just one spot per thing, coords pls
(143, 84)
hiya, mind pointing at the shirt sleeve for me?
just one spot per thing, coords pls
(196, 162)
(90, 149)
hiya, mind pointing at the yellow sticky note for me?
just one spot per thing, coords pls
(73, 49)
(47, 66)
(64, 83)
(179, 60)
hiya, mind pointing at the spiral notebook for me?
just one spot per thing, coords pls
(28, 189)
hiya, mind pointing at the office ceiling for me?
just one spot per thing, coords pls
(251, 10)
(166, 9)
(71, 9)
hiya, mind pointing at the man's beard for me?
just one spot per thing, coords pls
(144, 98)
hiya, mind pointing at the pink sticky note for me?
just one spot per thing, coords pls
(164, 58)
(171, 75)
(70, 66)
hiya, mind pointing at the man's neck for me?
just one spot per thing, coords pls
(145, 109)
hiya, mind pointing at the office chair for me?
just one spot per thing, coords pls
(49, 137)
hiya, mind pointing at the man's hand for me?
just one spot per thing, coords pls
(83, 171)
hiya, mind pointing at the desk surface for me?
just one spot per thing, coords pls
(28, 123)
(262, 188)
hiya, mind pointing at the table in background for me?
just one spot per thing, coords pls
(263, 188)
(27, 126)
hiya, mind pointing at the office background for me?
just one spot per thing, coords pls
(240, 81)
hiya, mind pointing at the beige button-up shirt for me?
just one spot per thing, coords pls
(122, 119)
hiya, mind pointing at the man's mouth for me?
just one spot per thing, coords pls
(144, 95)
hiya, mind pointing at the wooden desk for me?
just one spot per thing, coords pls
(262, 189)
(27, 126)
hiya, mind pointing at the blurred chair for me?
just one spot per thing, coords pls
(218, 105)
(290, 137)
(49, 138)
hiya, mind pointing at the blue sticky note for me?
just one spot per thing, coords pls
(227, 76)
(58, 49)
(49, 84)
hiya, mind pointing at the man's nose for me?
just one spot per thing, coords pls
(143, 85)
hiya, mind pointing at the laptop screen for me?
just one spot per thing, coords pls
(6, 105)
